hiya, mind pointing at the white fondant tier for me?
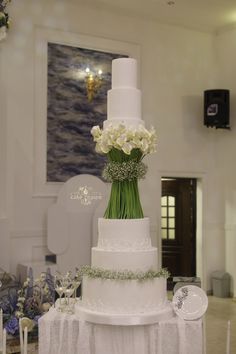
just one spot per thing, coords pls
(143, 260)
(124, 296)
(124, 99)
(124, 72)
(124, 234)
(124, 103)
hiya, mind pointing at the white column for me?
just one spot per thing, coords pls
(3, 134)
(1, 329)
(230, 260)
(4, 345)
(4, 233)
(25, 340)
(228, 338)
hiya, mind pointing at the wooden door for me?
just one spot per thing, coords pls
(178, 226)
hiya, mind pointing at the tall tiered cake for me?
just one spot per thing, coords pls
(124, 99)
(123, 284)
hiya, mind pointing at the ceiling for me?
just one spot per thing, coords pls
(203, 15)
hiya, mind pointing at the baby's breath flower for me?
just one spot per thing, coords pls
(21, 298)
(93, 272)
(126, 170)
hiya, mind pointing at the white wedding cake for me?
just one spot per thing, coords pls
(123, 285)
(124, 98)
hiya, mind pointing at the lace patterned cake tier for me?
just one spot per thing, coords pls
(121, 245)
(124, 233)
(100, 306)
(125, 260)
(124, 296)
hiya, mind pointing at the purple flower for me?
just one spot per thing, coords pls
(36, 318)
(12, 325)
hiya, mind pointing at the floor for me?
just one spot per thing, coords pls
(219, 312)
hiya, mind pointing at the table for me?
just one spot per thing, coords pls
(61, 333)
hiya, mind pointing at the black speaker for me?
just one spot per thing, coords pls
(216, 108)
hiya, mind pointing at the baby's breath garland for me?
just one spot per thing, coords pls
(125, 148)
(126, 170)
(100, 273)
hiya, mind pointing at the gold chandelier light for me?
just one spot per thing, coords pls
(93, 83)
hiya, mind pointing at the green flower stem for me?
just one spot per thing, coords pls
(124, 200)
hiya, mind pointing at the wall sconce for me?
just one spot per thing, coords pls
(93, 83)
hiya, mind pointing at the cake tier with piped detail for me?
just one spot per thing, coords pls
(124, 245)
(131, 260)
(124, 98)
(128, 248)
(124, 296)
(124, 235)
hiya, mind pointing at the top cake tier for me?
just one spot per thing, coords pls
(124, 98)
(124, 73)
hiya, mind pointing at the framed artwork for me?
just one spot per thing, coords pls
(66, 108)
(73, 109)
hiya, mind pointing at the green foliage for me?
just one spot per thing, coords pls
(124, 202)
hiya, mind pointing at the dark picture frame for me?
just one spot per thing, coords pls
(63, 114)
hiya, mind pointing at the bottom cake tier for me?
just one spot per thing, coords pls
(124, 296)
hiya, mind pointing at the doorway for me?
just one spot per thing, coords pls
(178, 226)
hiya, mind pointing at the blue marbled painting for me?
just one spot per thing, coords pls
(70, 115)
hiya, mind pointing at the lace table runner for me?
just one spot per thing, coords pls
(66, 334)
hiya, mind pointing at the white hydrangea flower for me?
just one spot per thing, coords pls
(144, 146)
(124, 138)
(127, 148)
(98, 149)
(96, 132)
(105, 148)
(121, 141)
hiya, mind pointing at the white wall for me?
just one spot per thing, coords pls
(176, 66)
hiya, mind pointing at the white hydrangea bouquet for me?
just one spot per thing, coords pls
(125, 148)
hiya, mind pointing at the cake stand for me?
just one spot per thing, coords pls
(122, 319)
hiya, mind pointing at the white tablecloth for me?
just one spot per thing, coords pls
(66, 334)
